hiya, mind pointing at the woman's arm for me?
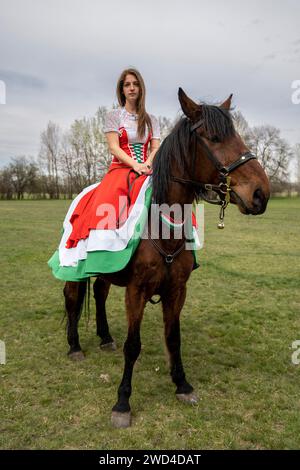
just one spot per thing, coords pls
(114, 147)
(154, 146)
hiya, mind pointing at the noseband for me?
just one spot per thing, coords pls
(223, 189)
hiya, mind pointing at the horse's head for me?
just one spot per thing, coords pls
(219, 148)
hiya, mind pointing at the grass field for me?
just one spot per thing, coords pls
(241, 316)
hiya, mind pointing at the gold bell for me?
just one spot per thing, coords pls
(221, 225)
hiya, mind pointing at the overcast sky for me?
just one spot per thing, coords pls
(60, 60)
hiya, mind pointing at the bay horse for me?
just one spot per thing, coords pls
(198, 155)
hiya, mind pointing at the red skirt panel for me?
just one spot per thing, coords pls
(107, 205)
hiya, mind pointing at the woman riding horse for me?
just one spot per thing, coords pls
(202, 152)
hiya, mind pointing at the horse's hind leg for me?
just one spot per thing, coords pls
(101, 289)
(74, 293)
(172, 305)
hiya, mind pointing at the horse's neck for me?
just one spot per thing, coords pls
(179, 194)
(168, 220)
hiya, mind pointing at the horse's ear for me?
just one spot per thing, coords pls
(188, 106)
(227, 103)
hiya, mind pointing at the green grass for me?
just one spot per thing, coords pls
(240, 318)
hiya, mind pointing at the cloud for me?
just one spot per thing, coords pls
(21, 80)
(269, 57)
(62, 59)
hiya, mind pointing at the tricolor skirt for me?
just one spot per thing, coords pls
(103, 226)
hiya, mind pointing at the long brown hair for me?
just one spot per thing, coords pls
(143, 117)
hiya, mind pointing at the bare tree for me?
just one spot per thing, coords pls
(6, 185)
(165, 125)
(241, 125)
(273, 152)
(89, 146)
(49, 155)
(67, 165)
(297, 161)
(103, 153)
(23, 175)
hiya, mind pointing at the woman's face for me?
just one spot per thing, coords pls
(131, 88)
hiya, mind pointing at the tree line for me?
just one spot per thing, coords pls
(71, 160)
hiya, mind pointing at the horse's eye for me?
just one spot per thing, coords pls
(215, 139)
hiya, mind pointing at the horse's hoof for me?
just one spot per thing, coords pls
(108, 346)
(188, 398)
(121, 420)
(76, 356)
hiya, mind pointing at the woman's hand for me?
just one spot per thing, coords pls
(142, 168)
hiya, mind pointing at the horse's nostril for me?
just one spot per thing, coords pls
(258, 194)
(259, 199)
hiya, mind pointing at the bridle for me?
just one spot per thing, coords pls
(223, 189)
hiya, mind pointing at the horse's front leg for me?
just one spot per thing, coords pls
(135, 304)
(172, 304)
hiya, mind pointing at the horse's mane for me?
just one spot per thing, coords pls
(175, 147)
